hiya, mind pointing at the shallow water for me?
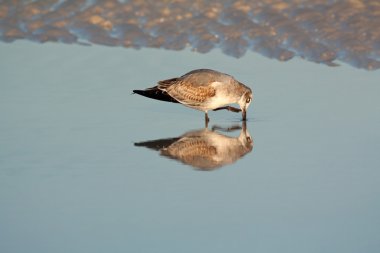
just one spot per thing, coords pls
(73, 180)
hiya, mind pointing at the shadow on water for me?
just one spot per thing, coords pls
(204, 149)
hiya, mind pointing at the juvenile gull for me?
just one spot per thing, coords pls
(204, 90)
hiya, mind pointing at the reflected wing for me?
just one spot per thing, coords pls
(195, 151)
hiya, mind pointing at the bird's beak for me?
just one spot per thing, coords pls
(244, 112)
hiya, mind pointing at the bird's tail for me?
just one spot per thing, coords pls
(156, 93)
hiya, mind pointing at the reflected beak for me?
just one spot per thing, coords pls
(244, 113)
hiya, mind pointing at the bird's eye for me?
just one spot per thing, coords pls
(248, 100)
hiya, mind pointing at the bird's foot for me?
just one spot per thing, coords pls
(229, 108)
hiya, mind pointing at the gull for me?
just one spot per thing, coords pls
(204, 90)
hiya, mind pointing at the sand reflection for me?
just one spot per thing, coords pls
(204, 149)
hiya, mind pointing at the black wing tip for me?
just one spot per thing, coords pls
(155, 93)
(140, 92)
(157, 144)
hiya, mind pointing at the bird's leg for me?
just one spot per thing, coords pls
(206, 120)
(244, 126)
(229, 108)
(244, 113)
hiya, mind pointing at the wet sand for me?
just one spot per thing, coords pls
(319, 31)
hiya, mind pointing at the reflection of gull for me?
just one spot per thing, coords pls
(204, 149)
(204, 90)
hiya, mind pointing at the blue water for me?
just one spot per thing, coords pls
(72, 180)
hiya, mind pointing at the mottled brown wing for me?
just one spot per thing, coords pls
(191, 95)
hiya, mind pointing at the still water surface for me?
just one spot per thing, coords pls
(72, 178)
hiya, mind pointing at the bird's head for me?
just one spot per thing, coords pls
(244, 101)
